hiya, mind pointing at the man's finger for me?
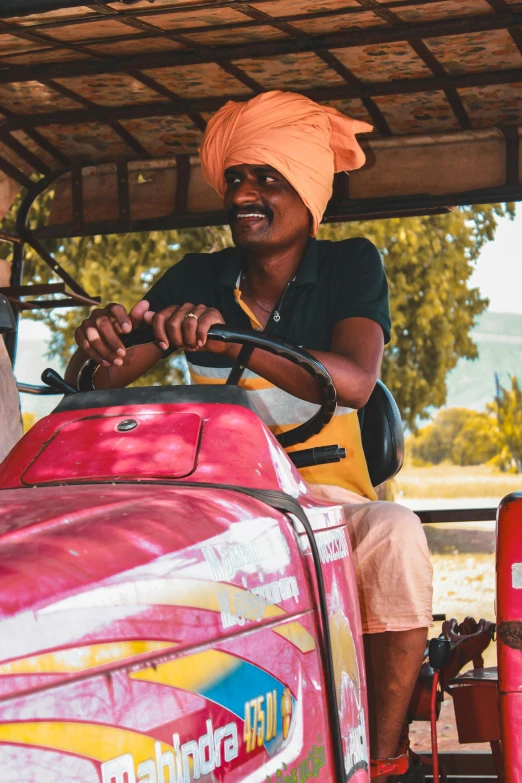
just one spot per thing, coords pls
(99, 345)
(138, 312)
(118, 312)
(109, 335)
(159, 326)
(94, 355)
(174, 325)
(189, 326)
(210, 317)
(87, 348)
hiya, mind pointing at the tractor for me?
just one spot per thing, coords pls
(177, 605)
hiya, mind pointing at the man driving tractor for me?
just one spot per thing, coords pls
(272, 159)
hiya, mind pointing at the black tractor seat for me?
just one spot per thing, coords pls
(382, 435)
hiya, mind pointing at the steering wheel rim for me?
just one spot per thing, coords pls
(298, 434)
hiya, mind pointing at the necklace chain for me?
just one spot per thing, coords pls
(274, 312)
(251, 295)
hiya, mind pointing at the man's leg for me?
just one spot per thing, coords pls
(393, 660)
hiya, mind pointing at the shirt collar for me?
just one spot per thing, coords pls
(231, 269)
(309, 266)
(306, 274)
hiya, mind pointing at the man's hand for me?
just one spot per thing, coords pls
(99, 335)
(186, 326)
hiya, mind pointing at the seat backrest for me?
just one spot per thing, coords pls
(382, 435)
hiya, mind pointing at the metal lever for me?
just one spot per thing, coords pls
(321, 455)
(51, 378)
(439, 653)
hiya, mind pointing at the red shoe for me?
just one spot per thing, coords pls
(396, 766)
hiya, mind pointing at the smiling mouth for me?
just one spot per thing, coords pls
(250, 216)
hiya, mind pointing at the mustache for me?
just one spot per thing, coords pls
(233, 212)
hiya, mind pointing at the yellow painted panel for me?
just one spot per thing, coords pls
(79, 659)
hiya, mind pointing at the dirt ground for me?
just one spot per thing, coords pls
(464, 584)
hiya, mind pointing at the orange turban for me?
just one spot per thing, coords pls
(303, 141)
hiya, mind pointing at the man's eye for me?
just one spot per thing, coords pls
(268, 178)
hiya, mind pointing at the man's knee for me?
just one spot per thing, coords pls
(401, 522)
(390, 522)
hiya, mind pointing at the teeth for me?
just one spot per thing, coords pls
(250, 215)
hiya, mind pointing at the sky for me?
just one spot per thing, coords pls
(498, 275)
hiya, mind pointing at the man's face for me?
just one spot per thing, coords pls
(263, 209)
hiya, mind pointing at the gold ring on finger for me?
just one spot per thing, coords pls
(192, 315)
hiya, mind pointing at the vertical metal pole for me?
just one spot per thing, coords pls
(17, 270)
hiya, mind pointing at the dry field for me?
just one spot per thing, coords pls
(453, 482)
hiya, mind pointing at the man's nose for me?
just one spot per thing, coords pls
(246, 192)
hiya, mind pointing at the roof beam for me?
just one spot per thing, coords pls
(154, 11)
(500, 7)
(25, 154)
(152, 84)
(375, 113)
(361, 91)
(360, 209)
(337, 40)
(40, 140)
(123, 133)
(14, 173)
(377, 117)
(26, 35)
(427, 57)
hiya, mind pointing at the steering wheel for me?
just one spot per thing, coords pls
(250, 339)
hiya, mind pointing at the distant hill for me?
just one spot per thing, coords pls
(498, 337)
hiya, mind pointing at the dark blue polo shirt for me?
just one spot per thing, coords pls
(335, 280)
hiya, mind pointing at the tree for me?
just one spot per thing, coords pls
(477, 442)
(429, 261)
(434, 443)
(458, 435)
(508, 410)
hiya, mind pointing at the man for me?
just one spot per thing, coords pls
(273, 159)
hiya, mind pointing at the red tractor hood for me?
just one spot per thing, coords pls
(108, 567)
(57, 540)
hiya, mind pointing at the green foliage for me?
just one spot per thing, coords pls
(458, 435)
(466, 437)
(507, 409)
(433, 443)
(429, 261)
(477, 443)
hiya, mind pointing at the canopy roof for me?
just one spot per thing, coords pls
(113, 98)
